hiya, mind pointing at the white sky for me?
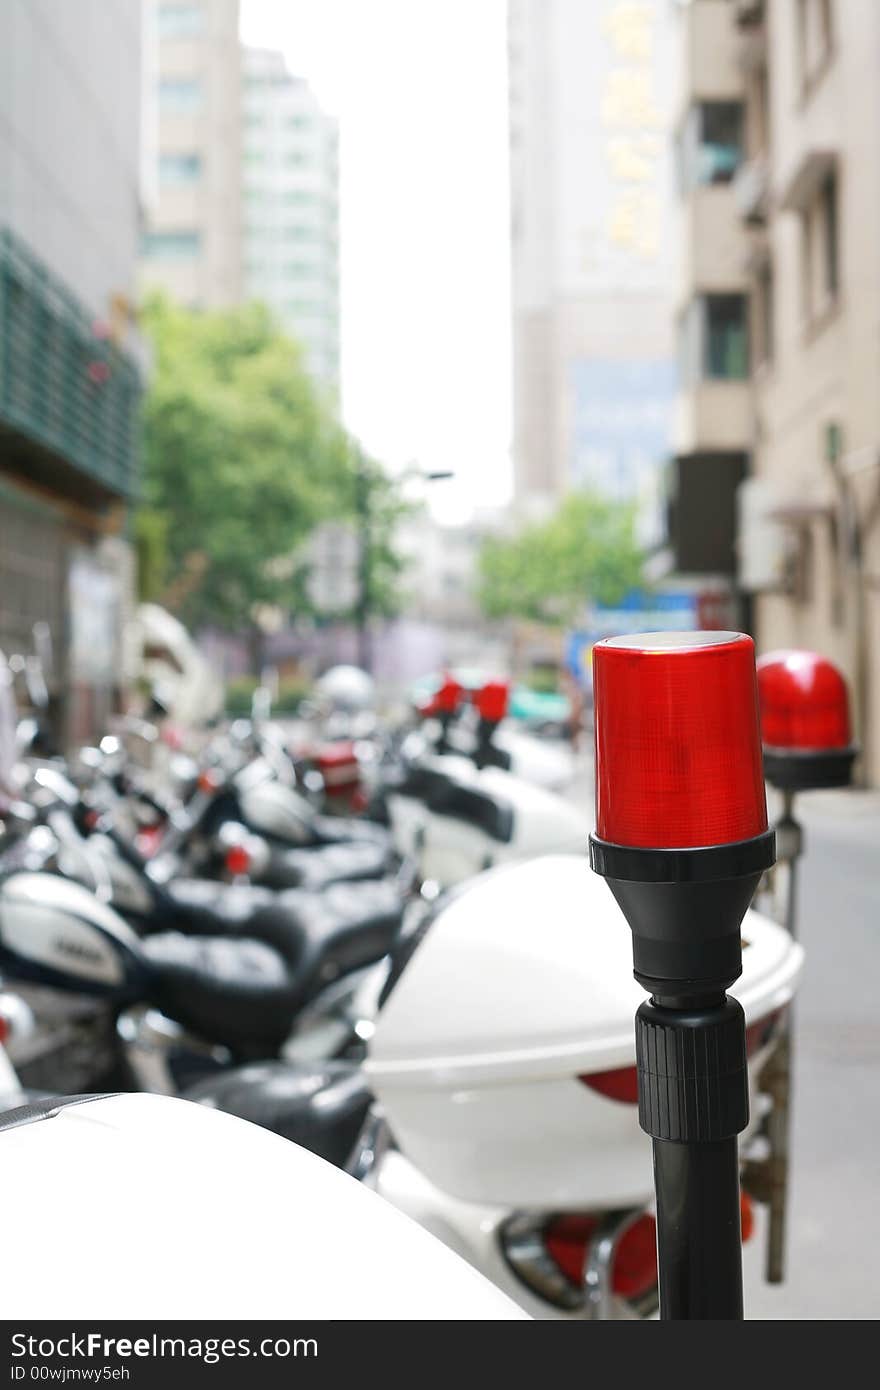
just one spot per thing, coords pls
(420, 90)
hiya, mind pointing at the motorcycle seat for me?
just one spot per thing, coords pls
(335, 918)
(243, 987)
(236, 992)
(327, 864)
(322, 1106)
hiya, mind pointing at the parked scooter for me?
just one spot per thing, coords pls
(501, 1060)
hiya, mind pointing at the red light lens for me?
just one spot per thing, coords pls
(804, 702)
(448, 697)
(238, 861)
(567, 1239)
(621, 1084)
(492, 701)
(678, 749)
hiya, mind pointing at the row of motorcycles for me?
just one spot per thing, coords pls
(382, 944)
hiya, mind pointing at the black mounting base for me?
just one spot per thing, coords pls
(792, 771)
(685, 908)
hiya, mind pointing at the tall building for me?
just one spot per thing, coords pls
(192, 244)
(782, 333)
(291, 208)
(70, 374)
(591, 93)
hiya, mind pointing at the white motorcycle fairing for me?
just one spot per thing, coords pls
(453, 841)
(497, 1055)
(212, 1218)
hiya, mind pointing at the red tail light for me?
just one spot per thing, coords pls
(678, 748)
(5, 1030)
(804, 702)
(237, 861)
(209, 780)
(492, 701)
(621, 1083)
(567, 1240)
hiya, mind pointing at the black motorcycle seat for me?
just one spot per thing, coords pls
(245, 990)
(321, 1107)
(345, 927)
(215, 908)
(328, 864)
(371, 910)
(234, 991)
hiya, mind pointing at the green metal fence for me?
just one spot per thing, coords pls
(62, 384)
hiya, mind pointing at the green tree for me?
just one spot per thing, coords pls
(547, 570)
(242, 458)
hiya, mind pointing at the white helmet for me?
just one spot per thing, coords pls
(347, 689)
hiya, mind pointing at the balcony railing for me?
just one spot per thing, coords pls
(65, 387)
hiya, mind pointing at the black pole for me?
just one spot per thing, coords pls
(685, 908)
(699, 1229)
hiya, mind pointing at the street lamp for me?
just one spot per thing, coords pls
(682, 838)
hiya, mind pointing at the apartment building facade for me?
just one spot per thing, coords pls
(290, 187)
(71, 363)
(780, 321)
(192, 246)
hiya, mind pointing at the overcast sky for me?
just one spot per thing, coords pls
(420, 90)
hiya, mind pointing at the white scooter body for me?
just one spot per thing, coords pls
(222, 1220)
(450, 848)
(521, 988)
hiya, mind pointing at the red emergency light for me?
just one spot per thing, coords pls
(678, 747)
(492, 700)
(444, 702)
(805, 721)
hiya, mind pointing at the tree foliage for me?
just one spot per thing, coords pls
(548, 570)
(242, 458)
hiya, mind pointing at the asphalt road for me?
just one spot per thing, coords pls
(834, 1223)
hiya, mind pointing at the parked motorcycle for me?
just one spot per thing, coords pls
(497, 1101)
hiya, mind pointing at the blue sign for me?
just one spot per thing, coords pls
(667, 611)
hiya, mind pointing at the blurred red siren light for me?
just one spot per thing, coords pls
(804, 702)
(446, 700)
(492, 701)
(678, 746)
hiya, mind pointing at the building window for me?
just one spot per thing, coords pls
(711, 144)
(180, 168)
(725, 341)
(172, 246)
(713, 339)
(815, 30)
(180, 21)
(181, 94)
(830, 237)
(821, 249)
(763, 319)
